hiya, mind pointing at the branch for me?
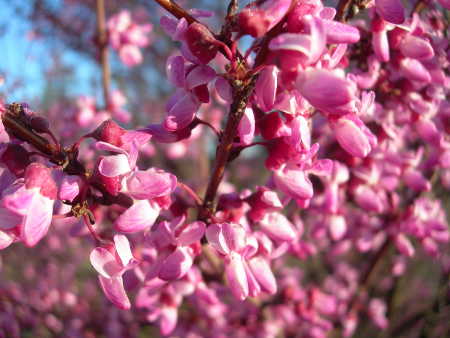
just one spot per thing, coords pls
(102, 41)
(176, 10)
(365, 279)
(342, 10)
(242, 94)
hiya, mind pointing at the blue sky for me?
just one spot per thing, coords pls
(25, 61)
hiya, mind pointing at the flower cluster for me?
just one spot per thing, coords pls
(352, 121)
(127, 37)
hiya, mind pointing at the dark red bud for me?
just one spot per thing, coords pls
(201, 42)
(109, 132)
(39, 124)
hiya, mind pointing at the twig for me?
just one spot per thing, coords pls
(241, 96)
(102, 41)
(191, 193)
(365, 279)
(176, 10)
(342, 10)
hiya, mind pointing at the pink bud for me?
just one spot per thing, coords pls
(416, 48)
(414, 70)
(260, 16)
(326, 91)
(109, 132)
(353, 135)
(201, 42)
(391, 10)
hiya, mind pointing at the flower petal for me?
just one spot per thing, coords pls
(115, 292)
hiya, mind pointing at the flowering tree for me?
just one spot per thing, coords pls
(348, 107)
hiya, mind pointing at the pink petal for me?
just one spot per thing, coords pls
(140, 216)
(105, 263)
(235, 236)
(181, 113)
(416, 48)
(215, 238)
(391, 10)
(37, 220)
(200, 75)
(176, 265)
(261, 270)
(69, 187)
(337, 226)
(192, 233)
(293, 42)
(246, 128)
(404, 245)
(123, 249)
(223, 88)
(327, 91)
(115, 292)
(175, 70)
(237, 277)
(266, 87)
(6, 238)
(130, 55)
(115, 165)
(278, 227)
(168, 319)
(338, 32)
(151, 183)
(351, 137)
(293, 181)
(414, 70)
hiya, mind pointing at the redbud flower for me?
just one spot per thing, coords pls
(27, 205)
(111, 264)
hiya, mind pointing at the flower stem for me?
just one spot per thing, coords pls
(102, 41)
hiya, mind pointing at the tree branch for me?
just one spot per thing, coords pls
(176, 10)
(342, 10)
(102, 42)
(242, 93)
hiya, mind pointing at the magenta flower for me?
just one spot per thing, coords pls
(246, 273)
(178, 244)
(390, 10)
(127, 37)
(27, 205)
(327, 91)
(111, 264)
(353, 135)
(260, 16)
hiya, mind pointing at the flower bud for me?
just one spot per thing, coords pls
(39, 124)
(201, 42)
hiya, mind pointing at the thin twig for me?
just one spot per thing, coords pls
(176, 10)
(102, 41)
(342, 10)
(241, 96)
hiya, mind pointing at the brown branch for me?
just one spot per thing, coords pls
(342, 10)
(419, 6)
(176, 10)
(102, 41)
(365, 279)
(242, 93)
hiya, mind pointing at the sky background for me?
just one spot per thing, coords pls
(25, 59)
